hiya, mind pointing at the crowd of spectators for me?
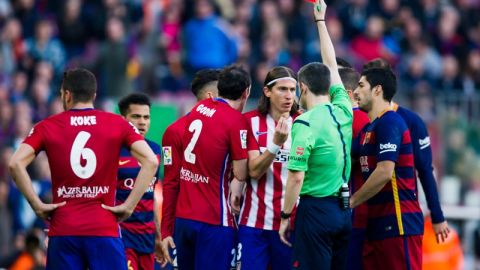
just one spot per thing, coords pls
(155, 46)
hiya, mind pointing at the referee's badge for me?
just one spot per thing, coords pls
(299, 151)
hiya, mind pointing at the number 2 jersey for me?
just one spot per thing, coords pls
(83, 147)
(215, 134)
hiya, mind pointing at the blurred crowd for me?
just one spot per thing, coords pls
(155, 46)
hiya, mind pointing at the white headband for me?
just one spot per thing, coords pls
(282, 78)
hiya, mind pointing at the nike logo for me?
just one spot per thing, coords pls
(258, 133)
(123, 162)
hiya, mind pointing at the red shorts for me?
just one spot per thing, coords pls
(139, 261)
(397, 253)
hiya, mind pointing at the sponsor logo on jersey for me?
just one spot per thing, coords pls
(202, 109)
(88, 120)
(424, 143)
(167, 155)
(243, 138)
(387, 147)
(81, 192)
(258, 133)
(123, 162)
(190, 176)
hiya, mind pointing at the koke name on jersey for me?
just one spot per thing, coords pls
(87, 120)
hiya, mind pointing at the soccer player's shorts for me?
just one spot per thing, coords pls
(139, 261)
(403, 252)
(322, 232)
(355, 249)
(85, 252)
(258, 249)
(204, 246)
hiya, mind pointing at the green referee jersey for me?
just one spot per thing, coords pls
(321, 142)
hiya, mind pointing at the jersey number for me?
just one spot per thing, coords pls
(78, 153)
(196, 128)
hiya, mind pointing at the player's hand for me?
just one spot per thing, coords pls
(284, 231)
(235, 204)
(319, 10)
(441, 231)
(281, 131)
(44, 210)
(167, 244)
(161, 252)
(121, 211)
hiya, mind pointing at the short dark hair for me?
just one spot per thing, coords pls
(203, 78)
(134, 98)
(350, 78)
(383, 77)
(316, 76)
(342, 63)
(376, 63)
(232, 82)
(276, 73)
(81, 83)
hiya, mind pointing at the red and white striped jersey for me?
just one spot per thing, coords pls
(264, 197)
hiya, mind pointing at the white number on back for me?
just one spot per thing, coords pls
(78, 152)
(196, 128)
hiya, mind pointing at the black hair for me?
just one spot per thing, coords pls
(316, 76)
(342, 63)
(383, 77)
(232, 82)
(134, 98)
(376, 63)
(349, 77)
(81, 83)
(202, 79)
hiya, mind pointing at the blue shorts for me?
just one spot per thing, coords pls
(322, 232)
(82, 252)
(204, 246)
(258, 249)
(355, 249)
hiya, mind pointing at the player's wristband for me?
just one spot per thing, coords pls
(284, 215)
(273, 148)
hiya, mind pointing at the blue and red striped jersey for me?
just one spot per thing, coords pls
(394, 211)
(422, 153)
(138, 231)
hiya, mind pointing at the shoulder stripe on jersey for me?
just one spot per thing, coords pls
(301, 122)
(344, 176)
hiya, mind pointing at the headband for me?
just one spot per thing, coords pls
(282, 78)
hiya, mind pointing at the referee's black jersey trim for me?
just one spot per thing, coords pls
(343, 144)
(302, 122)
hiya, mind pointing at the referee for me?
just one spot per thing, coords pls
(319, 163)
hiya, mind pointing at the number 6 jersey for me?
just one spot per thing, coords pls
(83, 147)
(215, 134)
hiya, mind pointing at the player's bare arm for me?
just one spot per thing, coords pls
(292, 191)
(149, 164)
(240, 169)
(377, 180)
(258, 164)
(18, 169)
(326, 47)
